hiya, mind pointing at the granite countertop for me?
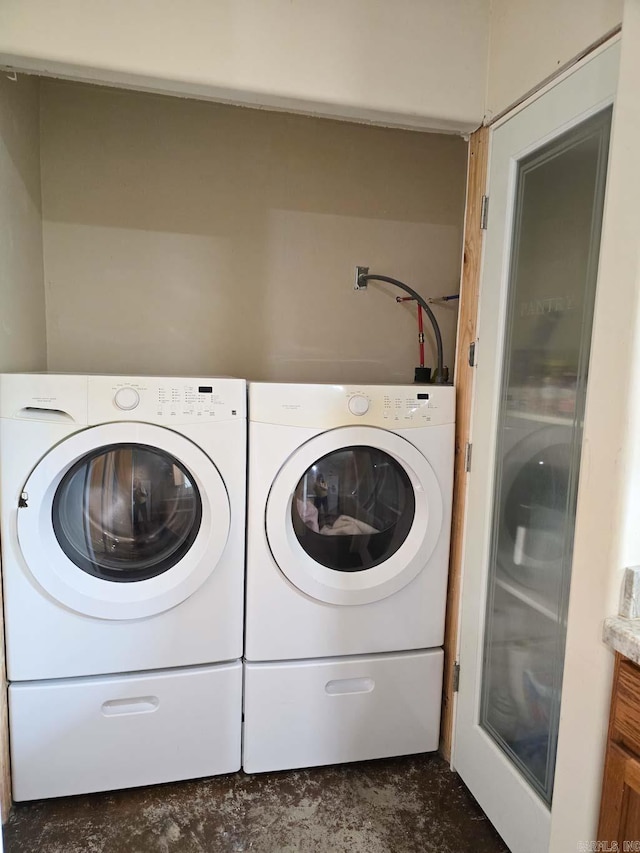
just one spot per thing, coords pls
(622, 632)
(623, 635)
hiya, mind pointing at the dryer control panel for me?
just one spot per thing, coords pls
(387, 406)
(166, 401)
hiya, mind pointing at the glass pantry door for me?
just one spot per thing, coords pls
(548, 166)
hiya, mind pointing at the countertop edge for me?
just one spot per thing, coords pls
(623, 636)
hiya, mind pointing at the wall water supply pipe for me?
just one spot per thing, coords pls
(420, 326)
(363, 276)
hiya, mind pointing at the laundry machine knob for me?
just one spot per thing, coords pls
(126, 398)
(358, 405)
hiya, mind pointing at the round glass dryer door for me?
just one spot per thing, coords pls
(123, 520)
(353, 508)
(354, 515)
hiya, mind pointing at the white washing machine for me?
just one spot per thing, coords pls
(349, 514)
(122, 520)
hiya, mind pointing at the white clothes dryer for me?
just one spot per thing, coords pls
(349, 515)
(122, 518)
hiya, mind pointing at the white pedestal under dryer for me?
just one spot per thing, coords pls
(349, 514)
(122, 520)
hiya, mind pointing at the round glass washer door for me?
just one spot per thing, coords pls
(123, 520)
(353, 515)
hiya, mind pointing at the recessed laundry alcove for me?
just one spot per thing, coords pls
(187, 237)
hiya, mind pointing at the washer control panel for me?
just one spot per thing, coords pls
(328, 406)
(165, 400)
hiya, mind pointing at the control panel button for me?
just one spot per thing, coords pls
(126, 398)
(358, 405)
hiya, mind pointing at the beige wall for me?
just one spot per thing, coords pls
(412, 63)
(418, 63)
(22, 303)
(531, 41)
(22, 312)
(607, 531)
(187, 237)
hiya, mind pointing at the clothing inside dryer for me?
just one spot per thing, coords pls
(353, 508)
(126, 512)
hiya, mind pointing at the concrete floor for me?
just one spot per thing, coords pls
(405, 805)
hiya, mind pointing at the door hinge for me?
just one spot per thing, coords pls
(472, 354)
(467, 456)
(484, 212)
(23, 500)
(455, 678)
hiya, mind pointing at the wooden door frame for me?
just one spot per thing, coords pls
(464, 378)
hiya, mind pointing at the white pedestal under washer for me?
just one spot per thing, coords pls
(122, 517)
(349, 514)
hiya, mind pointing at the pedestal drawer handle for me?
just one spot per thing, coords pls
(135, 705)
(349, 685)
